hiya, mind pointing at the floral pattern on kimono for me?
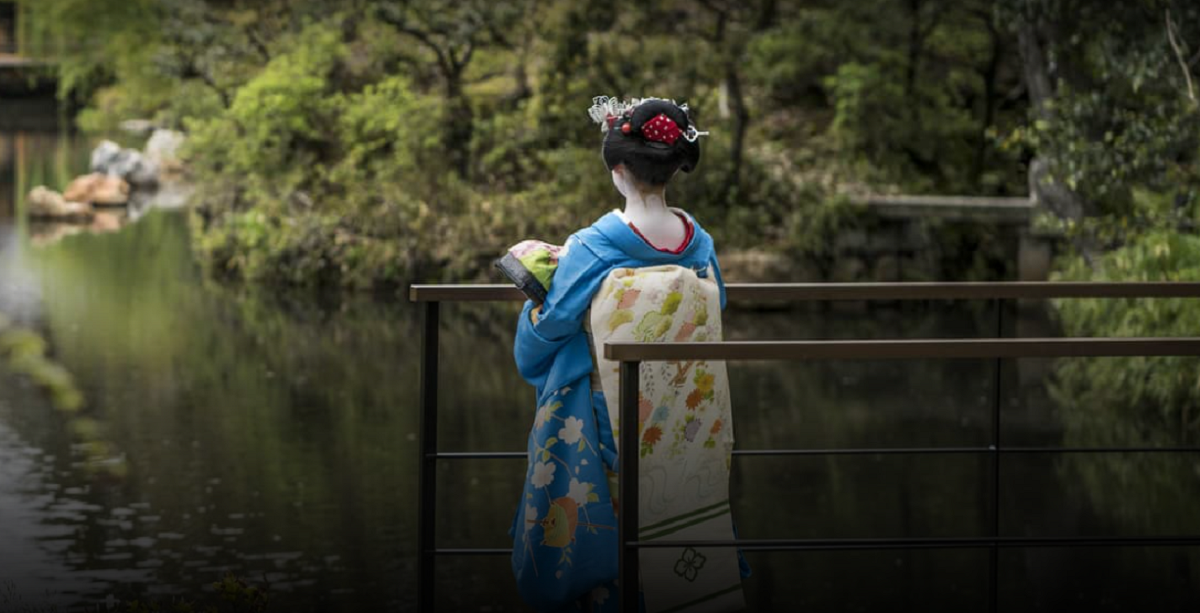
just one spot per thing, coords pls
(564, 531)
(685, 434)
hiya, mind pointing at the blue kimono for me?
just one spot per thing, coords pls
(564, 533)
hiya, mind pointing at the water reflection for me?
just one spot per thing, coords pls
(273, 435)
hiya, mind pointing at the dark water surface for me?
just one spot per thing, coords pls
(272, 435)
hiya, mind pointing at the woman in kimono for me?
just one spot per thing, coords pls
(648, 273)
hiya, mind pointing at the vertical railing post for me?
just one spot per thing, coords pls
(994, 550)
(627, 489)
(428, 446)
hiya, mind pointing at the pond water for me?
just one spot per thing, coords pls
(272, 435)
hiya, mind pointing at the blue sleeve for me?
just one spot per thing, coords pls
(720, 281)
(560, 321)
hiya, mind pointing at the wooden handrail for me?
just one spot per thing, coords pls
(1002, 290)
(973, 348)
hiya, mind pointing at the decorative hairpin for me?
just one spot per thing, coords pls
(606, 110)
(692, 134)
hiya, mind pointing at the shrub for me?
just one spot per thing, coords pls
(1135, 400)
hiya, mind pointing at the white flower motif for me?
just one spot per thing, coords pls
(579, 491)
(571, 431)
(543, 474)
(545, 412)
(530, 516)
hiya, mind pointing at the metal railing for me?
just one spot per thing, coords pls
(631, 355)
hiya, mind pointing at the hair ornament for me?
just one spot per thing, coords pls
(692, 134)
(606, 110)
(662, 129)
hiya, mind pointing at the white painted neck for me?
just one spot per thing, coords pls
(649, 212)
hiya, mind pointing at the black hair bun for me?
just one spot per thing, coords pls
(651, 162)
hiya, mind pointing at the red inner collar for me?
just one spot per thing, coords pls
(688, 232)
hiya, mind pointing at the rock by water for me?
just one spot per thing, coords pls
(163, 149)
(45, 203)
(98, 189)
(129, 164)
(104, 155)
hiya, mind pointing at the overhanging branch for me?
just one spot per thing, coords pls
(1172, 37)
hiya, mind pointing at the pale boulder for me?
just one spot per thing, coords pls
(77, 211)
(48, 204)
(163, 150)
(44, 202)
(129, 164)
(135, 168)
(104, 155)
(99, 189)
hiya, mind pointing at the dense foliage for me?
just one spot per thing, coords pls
(363, 142)
(360, 142)
(1114, 125)
(1112, 85)
(1124, 402)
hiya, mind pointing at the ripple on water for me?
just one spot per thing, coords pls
(108, 557)
(143, 542)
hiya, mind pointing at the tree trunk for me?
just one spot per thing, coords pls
(915, 43)
(1058, 198)
(989, 105)
(460, 126)
(1033, 64)
(741, 121)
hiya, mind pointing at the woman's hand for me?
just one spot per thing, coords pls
(533, 314)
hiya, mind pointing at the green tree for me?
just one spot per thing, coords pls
(359, 143)
(1112, 100)
(452, 33)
